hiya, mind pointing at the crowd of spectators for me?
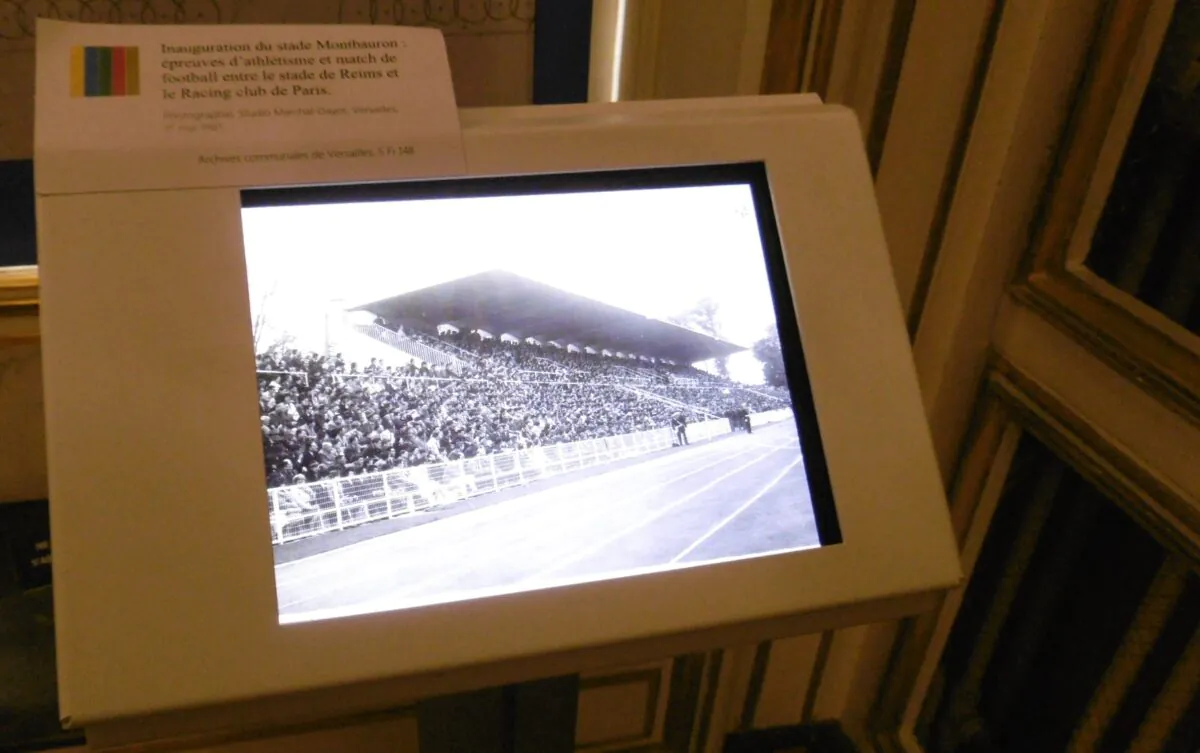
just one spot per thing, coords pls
(323, 417)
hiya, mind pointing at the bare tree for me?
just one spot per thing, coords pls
(703, 316)
(260, 322)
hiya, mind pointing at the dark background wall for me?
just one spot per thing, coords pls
(17, 238)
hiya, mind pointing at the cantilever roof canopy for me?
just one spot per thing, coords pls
(502, 302)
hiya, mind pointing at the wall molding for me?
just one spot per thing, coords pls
(1102, 463)
(937, 87)
(671, 50)
(788, 42)
(653, 680)
(860, 56)
(824, 47)
(1014, 76)
(1015, 402)
(1121, 28)
(825, 737)
(963, 109)
(1035, 70)
(802, 45)
(273, 732)
(1140, 343)
(19, 291)
(986, 460)
(1146, 347)
(1157, 505)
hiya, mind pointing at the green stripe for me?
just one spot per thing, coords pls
(104, 71)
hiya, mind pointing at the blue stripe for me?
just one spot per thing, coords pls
(91, 71)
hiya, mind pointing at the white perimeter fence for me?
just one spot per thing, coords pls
(305, 510)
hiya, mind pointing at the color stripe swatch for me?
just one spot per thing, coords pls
(104, 72)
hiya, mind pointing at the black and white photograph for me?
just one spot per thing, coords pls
(470, 396)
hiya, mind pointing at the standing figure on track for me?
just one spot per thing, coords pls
(744, 415)
(731, 416)
(679, 424)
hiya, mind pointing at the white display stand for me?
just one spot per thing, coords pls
(165, 596)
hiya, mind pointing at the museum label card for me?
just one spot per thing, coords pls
(129, 107)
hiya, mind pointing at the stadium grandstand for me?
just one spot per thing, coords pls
(474, 385)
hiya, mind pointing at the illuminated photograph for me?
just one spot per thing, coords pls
(467, 396)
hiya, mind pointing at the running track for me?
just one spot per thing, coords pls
(735, 496)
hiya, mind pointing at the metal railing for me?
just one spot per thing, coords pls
(413, 348)
(304, 510)
(689, 395)
(443, 343)
(335, 504)
(760, 393)
(284, 373)
(552, 363)
(633, 373)
(647, 394)
(716, 427)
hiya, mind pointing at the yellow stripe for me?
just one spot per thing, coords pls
(76, 71)
(132, 79)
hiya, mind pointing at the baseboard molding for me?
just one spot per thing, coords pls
(820, 737)
(892, 741)
(864, 739)
(867, 740)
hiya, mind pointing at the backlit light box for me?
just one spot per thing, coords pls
(455, 409)
(637, 382)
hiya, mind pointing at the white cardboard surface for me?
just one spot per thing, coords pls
(208, 106)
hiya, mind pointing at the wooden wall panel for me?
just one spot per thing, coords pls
(687, 69)
(395, 735)
(934, 106)
(22, 432)
(785, 686)
(22, 429)
(398, 735)
(1054, 353)
(996, 199)
(624, 707)
(787, 45)
(1148, 444)
(16, 99)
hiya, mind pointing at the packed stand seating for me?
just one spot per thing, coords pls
(718, 400)
(324, 418)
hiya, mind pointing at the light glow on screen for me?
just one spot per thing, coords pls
(416, 454)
